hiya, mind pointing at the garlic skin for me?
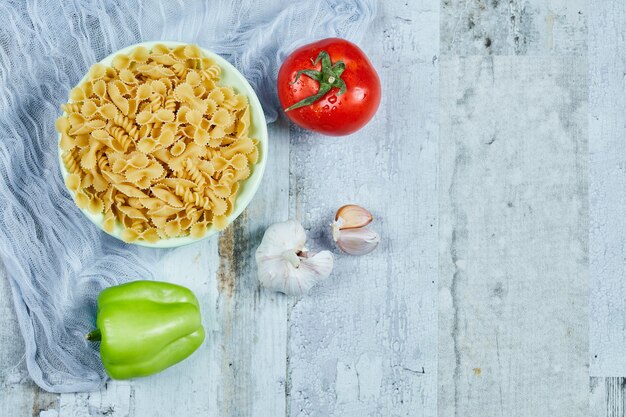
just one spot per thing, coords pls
(349, 231)
(283, 263)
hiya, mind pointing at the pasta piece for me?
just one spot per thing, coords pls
(243, 173)
(178, 149)
(121, 62)
(172, 183)
(72, 182)
(81, 93)
(149, 144)
(167, 196)
(90, 109)
(117, 98)
(229, 206)
(126, 124)
(192, 51)
(80, 125)
(193, 197)
(198, 230)
(130, 190)
(192, 212)
(81, 199)
(159, 221)
(194, 173)
(135, 202)
(222, 190)
(243, 124)
(71, 107)
(173, 228)
(220, 222)
(100, 89)
(253, 157)
(120, 141)
(233, 189)
(132, 107)
(212, 72)
(107, 198)
(170, 103)
(97, 71)
(128, 76)
(95, 205)
(243, 145)
(143, 176)
(238, 102)
(109, 221)
(100, 183)
(237, 162)
(67, 142)
(164, 211)
(180, 70)
(163, 59)
(139, 54)
(89, 157)
(155, 71)
(132, 212)
(185, 93)
(217, 96)
(161, 115)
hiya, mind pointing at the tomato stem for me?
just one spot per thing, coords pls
(329, 77)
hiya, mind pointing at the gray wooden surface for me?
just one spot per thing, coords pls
(607, 125)
(503, 163)
(607, 192)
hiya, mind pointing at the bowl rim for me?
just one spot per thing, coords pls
(249, 186)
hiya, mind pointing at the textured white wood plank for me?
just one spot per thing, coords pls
(113, 400)
(177, 388)
(19, 396)
(513, 315)
(514, 27)
(607, 397)
(364, 341)
(607, 193)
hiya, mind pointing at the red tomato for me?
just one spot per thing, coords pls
(329, 87)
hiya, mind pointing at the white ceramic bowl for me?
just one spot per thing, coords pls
(229, 76)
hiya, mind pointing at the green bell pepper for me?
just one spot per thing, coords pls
(145, 327)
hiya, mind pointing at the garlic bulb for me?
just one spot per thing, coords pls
(349, 231)
(284, 264)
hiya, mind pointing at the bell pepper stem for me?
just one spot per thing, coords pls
(94, 335)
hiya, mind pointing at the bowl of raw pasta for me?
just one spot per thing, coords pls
(162, 144)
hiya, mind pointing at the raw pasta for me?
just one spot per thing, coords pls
(156, 144)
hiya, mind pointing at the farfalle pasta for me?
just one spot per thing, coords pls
(156, 144)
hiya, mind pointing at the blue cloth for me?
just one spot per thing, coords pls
(56, 261)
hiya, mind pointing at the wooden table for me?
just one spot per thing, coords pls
(476, 302)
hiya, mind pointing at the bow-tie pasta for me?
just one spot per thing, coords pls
(156, 144)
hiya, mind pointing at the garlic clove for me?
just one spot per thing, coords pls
(311, 271)
(357, 241)
(279, 237)
(352, 216)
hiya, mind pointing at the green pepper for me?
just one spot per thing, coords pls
(145, 327)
